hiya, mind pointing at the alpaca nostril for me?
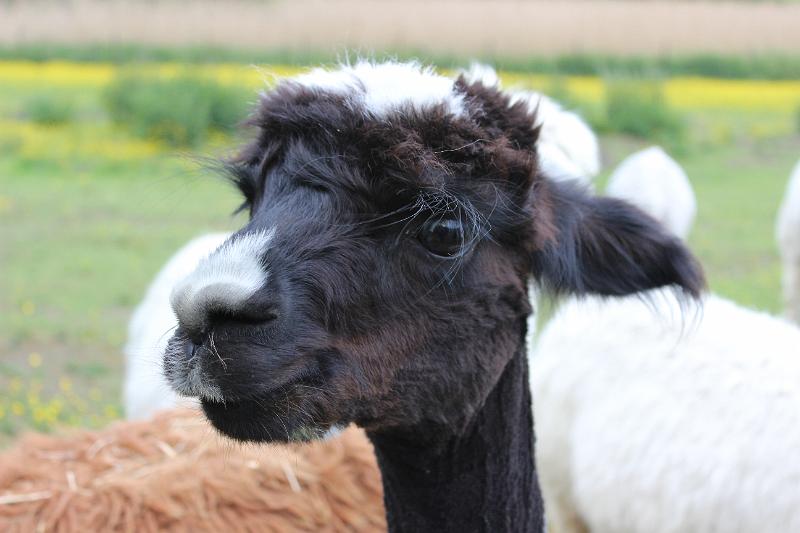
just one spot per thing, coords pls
(191, 348)
(194, 340)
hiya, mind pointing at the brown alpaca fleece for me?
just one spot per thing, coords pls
(173, 473)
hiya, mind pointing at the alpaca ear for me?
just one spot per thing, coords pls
(606, 246)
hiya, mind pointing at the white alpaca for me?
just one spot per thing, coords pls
(788, 234)
(151, 326)
(651, 418)
(657, 184)
(568, 148)
(650, 423)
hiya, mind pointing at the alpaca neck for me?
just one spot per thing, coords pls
(483, 479)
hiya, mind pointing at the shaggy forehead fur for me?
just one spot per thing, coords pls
(385, 135)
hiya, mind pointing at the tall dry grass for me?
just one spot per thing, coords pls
(503, 27)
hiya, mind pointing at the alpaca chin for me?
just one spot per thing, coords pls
(266, 418)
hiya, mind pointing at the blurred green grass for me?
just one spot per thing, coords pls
(88, 214)
(80, 244)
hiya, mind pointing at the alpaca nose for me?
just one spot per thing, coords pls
(224, 287)
(258, 309)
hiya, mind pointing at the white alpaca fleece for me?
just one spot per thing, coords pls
(656, 183)
(380, 88)
(788, 235)
(223, 281)
(151, 326)
(647, 422)
(568, 148)
(566, 132)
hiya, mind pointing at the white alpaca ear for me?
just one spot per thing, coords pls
(655, 183)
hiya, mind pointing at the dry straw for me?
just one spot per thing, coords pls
(174, 474)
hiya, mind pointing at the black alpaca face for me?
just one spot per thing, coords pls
(396, 217)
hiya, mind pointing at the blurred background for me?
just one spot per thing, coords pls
(111, 110)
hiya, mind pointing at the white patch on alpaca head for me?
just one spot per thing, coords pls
(223, 281)
(381, 88)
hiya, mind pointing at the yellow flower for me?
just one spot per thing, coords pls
(17, 409)
(27, 308)
(94, 394)
(5, 204)
(35, 360)
(65, 384)
(39, 414)
(32, 399)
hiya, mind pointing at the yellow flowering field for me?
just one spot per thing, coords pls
(25, 399)
(688, 94)
(685, 93)
(63, 73)
(30, 140)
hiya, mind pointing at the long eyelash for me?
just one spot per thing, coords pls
(244, 179)
(244, 206)
(237, 173)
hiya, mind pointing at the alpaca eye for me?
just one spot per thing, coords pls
(443, 237)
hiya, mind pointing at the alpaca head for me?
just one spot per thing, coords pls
(395, 218)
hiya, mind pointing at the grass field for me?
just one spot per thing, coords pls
(88, 214)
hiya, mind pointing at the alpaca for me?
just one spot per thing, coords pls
(788, 234)
(654, 182)
(567, 149)
(145, 391)
(396, 217)
(670, 432)
(168, 473)
(647, 423)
